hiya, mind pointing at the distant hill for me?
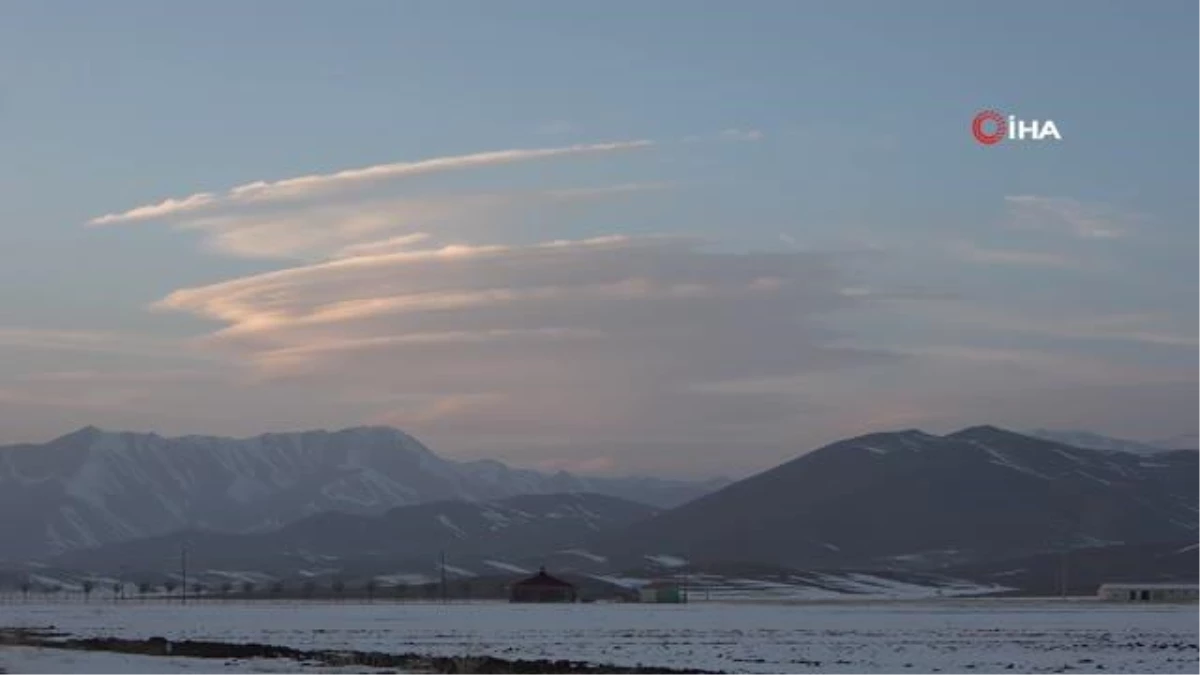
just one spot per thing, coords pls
(94, 487)
(896, 513)
(477, 535)
(1087, 568)
(918, 501)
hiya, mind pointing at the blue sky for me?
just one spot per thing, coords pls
(899, 274)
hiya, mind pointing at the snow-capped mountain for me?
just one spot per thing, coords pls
(915, 500)
(93, 487)
(1087, 439)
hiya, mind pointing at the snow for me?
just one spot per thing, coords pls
(1001, 459)
(103, 487)
(246, 488)
(507, 567)
(953, 635)
(1095, 478)
(1185, 549)
(881, 587)
(41, 660)
(667, 560)
(459, 571)
(458, 531)
(849, 587)
(241, 577)
(498, 519)
(403, 579)
(585, 554)
(623, 582)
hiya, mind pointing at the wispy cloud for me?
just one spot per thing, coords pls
(562, 336)
(307, 186)
(1081, 219)
(317, 229)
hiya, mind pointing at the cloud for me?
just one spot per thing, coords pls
(470, 320)
(966, 251)
(340, 227)
(301, 187)
(1080, 219)
(609, 336)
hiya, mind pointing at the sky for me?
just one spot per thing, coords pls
(670, 238)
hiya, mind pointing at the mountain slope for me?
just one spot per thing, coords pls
(1086, 569)
(1087, 439)
(1178, 442)
(94, 487)
(467, 532)
(911, 499)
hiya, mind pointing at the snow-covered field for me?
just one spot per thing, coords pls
(955, 635)
(38, 660)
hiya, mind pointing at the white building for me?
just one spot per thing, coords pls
(1150, 592)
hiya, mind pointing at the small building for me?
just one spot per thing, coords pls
(542, 587)
(1150, 592)
(662, 591)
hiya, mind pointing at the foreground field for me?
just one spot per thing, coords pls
(948, 635)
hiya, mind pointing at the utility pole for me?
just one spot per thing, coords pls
(1066, 552)
(443, 566)
(183, 574)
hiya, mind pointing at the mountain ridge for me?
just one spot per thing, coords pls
(1094, 441)
(91, 486)
(909, 498)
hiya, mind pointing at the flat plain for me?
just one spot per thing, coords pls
(947, 635)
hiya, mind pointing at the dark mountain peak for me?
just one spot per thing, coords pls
(986, 432)
(881, 442)
(81, 436)
(911, 499)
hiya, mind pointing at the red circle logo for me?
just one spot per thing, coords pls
(989, 118)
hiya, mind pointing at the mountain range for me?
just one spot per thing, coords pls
(477, 537)
(94, 487)
(373, 503)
